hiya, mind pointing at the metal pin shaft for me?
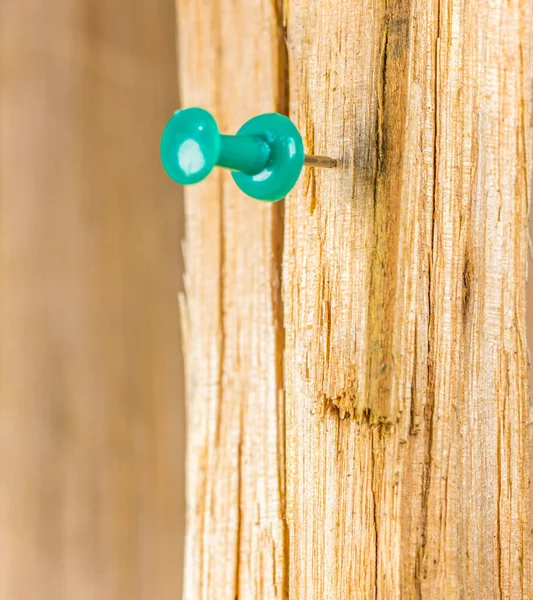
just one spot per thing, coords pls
(323, 162)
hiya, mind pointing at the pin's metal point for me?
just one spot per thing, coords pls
(323, 162)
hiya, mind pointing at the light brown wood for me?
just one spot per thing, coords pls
(404, 289)
(231, 61)
(405, 453)
(91, 424)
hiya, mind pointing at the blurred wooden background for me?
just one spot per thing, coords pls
(91, 404)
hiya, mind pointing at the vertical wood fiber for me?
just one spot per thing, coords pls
(404, 298)
(402, 471)
(232, 63)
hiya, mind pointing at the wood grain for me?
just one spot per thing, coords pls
(231, 58)
(401, 467)
(404, 297)
(91, 426)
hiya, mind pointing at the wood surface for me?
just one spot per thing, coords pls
(390, 456)
(91, 424)
(233, 325)
(404, 293)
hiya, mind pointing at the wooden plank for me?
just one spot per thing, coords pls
(91, 425)
(232, 64)
(404, 282)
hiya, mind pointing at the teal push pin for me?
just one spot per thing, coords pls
(266, 156)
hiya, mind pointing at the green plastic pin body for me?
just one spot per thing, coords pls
(266, 156)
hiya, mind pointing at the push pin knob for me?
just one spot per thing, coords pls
(266, 156)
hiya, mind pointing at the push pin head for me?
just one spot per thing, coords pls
(266, 156)
(190, 146)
